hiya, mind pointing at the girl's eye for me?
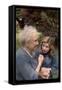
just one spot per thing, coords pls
(45, 46)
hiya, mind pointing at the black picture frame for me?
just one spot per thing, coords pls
(12, 47)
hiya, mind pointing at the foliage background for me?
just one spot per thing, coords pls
(46, 20)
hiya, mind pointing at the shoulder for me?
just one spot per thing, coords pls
(51, 57)
(20, 55)
(19, 51)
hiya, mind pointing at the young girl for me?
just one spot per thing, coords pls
(46, 49)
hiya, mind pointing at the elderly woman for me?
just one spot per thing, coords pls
(27, 68)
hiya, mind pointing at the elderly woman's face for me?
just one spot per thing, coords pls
(33, 43)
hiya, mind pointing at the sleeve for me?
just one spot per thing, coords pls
(25, 69)
(54, 69)
(54, 64)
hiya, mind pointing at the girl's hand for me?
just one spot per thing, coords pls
(40, 59)
(45, 72)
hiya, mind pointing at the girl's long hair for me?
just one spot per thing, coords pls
(50, 41)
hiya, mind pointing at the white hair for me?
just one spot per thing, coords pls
(26, 34)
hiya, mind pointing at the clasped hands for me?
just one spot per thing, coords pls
(43, 72)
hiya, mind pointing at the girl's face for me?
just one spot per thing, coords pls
(45, 48)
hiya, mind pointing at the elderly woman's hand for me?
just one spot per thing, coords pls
(45, 72)
(40, 61)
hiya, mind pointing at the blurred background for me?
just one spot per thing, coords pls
(46, 20)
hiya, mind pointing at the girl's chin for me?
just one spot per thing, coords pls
(45, 52)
